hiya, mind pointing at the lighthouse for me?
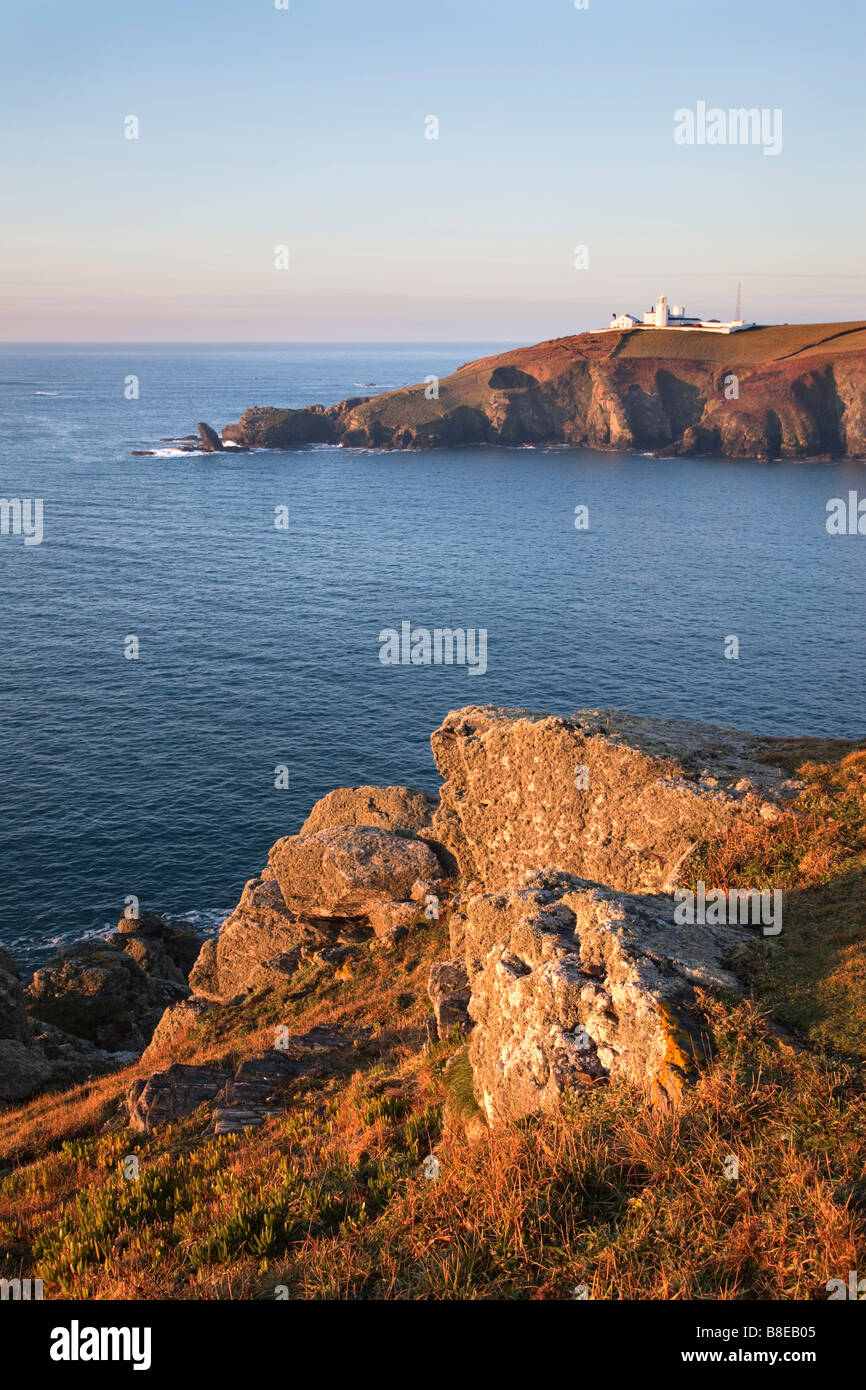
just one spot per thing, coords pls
(661, 315)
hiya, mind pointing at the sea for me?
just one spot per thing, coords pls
(190, 655)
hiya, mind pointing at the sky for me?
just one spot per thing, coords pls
(307, 128)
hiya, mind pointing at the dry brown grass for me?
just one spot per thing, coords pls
(814, 973)
(330, 1199)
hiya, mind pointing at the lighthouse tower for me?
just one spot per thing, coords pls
(662, 312)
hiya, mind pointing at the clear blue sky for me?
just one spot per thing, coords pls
(261, 127)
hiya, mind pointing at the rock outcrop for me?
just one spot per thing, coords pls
(359, 866)
(210, 440)
(566, 967)
(172, 1094)
(253, 1093)
(23, 1070)
(614, 798)
(238, 1100)
(13, 1015)
(175, 1023)
(572, 983)
(389, 808)
(259, 945)
(113, 992)
(34, 1054)
(351, 871)
(790, 391)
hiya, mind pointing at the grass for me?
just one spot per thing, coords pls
(754, 347)
(461, 1103)
(813, 974)
(330, 1199)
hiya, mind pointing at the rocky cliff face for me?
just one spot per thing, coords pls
(551, 854)
(791, 391)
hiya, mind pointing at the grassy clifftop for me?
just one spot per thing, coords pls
(752, 347)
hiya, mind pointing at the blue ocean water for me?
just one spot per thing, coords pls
(259, 647)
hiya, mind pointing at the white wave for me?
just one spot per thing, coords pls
(178, 453)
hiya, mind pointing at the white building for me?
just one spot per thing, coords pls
(661, 316)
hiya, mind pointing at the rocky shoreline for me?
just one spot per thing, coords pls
(551, 855)
(792, 391)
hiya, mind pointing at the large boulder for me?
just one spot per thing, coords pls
(365, 855)
(258, 946)
(611, 797)
(572, 982)
(350, 871)
(390, 808)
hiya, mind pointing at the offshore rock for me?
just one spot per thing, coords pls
(210, 440)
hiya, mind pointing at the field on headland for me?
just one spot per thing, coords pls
(750, 347)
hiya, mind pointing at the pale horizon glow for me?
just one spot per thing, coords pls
(306, 128)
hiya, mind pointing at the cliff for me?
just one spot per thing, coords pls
(789, 391)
